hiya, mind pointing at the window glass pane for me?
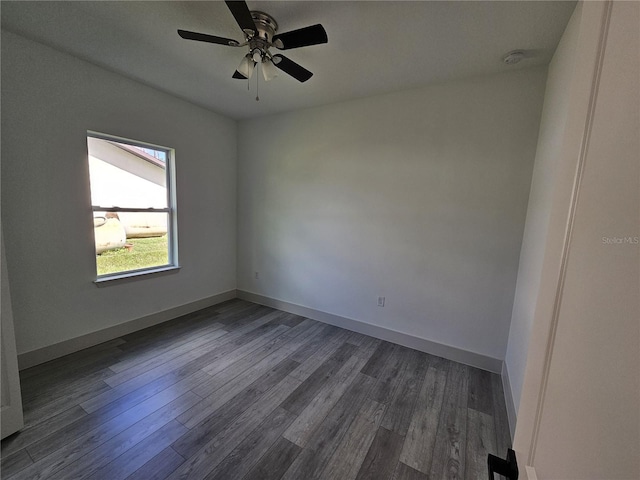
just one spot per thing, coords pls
(128, 241)
(124, 175)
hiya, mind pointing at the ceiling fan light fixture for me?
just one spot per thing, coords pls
(260, 34)
(257, 55)
(246, 67)
(269, 71)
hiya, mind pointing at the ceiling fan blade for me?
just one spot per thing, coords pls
(292, 68)
(238, 75)
(241, 13)
(202, 37)
(302, 37)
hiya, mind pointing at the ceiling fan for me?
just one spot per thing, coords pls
(260, 35)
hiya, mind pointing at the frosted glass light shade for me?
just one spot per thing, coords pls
(246, 67)
(269, 71)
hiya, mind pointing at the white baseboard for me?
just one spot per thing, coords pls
(446, 351)
(50, 352)
(508, 397)
(530, 473)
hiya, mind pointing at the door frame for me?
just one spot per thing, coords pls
(11, 415)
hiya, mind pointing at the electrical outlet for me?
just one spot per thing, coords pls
(381, 301)
(256, 275)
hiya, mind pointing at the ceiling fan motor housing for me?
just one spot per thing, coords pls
(266, 28)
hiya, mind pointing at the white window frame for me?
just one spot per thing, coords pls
(171, 210)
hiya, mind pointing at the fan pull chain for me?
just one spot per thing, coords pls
(257, 85)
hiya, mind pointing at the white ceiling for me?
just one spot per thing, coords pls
(374, 47)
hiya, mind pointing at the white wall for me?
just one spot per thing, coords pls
(578, 414)
(550, 141)
(418, 196)
(49, 101)
(590, 422)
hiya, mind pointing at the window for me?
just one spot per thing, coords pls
(133, 201)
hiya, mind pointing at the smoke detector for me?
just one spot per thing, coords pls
(513, 57)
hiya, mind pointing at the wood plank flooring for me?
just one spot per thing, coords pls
(242, 391)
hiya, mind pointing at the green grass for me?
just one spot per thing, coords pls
(146, 252)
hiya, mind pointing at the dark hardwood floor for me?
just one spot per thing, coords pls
(242, 391)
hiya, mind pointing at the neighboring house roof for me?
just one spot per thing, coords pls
(139, 153)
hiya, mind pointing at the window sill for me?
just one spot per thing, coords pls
(134, 275)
